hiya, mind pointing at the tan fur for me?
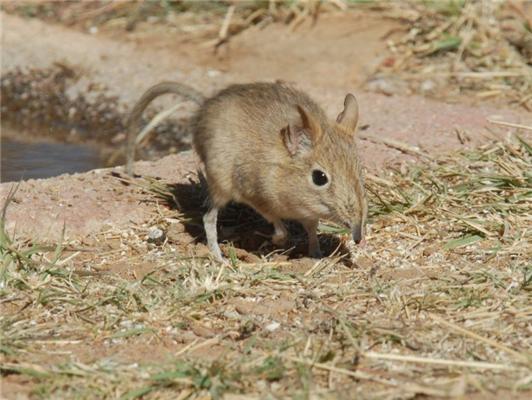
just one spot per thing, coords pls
(260, 143)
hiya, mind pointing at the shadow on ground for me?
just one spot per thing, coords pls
(239, 226)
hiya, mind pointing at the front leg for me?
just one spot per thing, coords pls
(313, 243)
(280, 234)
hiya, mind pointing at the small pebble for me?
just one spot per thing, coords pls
(212, 73)
(427, 86)
(273, 326)
(156, 235)
(382, 86)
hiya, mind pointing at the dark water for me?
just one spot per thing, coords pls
(22, 160)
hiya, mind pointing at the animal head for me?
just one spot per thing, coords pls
(326, 166)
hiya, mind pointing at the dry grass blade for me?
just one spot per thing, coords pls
(223, 36)
(522, 357)
(409, 387)
(378, 180)
(510, 124)
(436, 361)
(396, 144)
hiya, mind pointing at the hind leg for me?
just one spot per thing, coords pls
(216, 201)
(209, 222)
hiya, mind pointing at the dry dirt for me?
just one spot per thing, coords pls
(335, 56)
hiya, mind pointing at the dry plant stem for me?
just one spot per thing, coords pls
(396, 144)
(194, 345)
(227, 22)
(410, 387)
(519, 356)
(379, 180)
(436, 361)
(468, 36)
(339, 3)
(222, 36)
(99, 11)
(473, 75)
(510, 124)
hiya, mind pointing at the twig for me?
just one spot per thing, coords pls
(379, 180)
(223, 34)
(411, 387)
(70, 257)
(510, 124)
(112, 6)
(253, 16)
(396, 144)
(194, 345)
(472, 224)
(437, 361)
(473, 335)
(227, 21)
(473, 75)
(468, 36)
(339, 3)
(299, 19)
(324, 262)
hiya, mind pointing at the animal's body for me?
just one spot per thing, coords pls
(270, 146)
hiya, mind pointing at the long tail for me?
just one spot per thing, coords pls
(135, 117)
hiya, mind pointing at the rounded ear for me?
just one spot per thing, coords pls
(303, 135)
(309, 124)
(291, 139)
(348, 118)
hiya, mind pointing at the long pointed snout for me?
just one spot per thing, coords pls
(358, 233)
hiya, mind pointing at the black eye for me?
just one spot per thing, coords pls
(319, 178)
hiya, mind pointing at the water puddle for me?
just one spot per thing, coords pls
(21, 160)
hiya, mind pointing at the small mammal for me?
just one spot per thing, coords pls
(270, 146)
